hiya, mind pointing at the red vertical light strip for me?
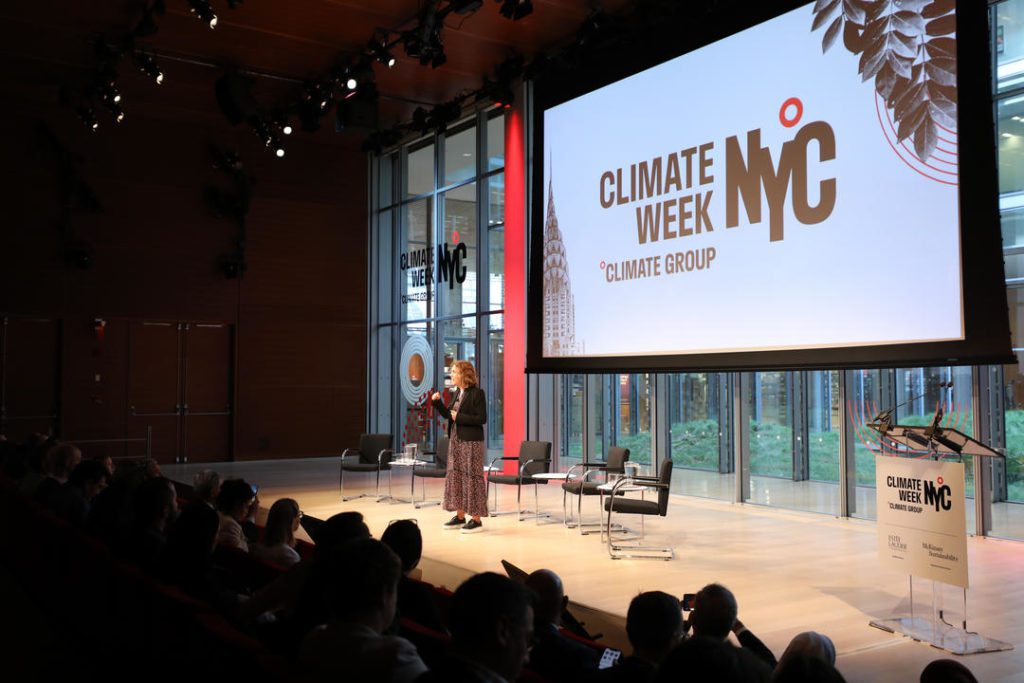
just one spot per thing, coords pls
(514, 404)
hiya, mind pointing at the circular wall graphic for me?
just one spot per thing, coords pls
(416, 368)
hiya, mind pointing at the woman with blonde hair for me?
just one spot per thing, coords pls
(278, 545)
(465, 490)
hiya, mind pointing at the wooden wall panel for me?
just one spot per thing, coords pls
(94, 389)
(298, 314)
(29, 378)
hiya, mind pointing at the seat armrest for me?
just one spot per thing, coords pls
(646, 482)
(577, 466)
(490, 467)
(380, 456)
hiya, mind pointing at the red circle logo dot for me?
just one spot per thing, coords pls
(797, 106)
(603, 265)
(455, 237)
(940, 481)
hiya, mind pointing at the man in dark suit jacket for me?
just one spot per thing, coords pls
(714, 616)
(554, 656)
(654, 624)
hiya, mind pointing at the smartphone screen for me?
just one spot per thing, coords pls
(255, 489)
(687, 602)
(608, 658)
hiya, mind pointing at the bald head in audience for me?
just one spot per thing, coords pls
(549, 596)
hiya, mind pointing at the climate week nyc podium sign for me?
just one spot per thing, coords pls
(922, 524)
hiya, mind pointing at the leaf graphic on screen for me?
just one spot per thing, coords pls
(907, 48)
(831, 34)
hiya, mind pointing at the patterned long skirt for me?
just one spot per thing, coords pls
(464, 485)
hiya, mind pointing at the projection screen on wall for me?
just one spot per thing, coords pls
(793, 187)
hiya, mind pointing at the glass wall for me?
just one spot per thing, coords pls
(1007, 383)
(700, 455)
(440, 200)
(782, 438)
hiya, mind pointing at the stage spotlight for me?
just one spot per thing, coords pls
(424, 41)
(88, 116)
(421, 120)
(147, 65)
(225, 159)
(280, 120)
(378, 47)
(280, 152)
(109, 94)
(380, 140)
(516, 9)
(351, 83)
(203, 10)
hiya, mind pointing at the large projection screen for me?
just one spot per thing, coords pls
(790, 195)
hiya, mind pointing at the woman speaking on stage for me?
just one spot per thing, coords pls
(465, 491)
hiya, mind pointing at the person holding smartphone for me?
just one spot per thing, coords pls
(465, 490)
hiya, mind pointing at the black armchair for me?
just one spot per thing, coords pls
(583, 486)
(436, 469)
(373, 455)
(632, 506)
(534, 458)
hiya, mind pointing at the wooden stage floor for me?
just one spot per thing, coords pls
(790, 571)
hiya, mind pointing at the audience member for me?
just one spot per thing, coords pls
(111, 514)
(947, 671)
(555, 656)
(72, 500)
(812, 644)
(795, 663)
(714, 615)
(278, 544)
(27, 465)
(57, 467)
(236, 503)
(804, 667)
(703, 659)
(654, 625)
(361, 595)
(415, 598)
(188, 555)
(107, 462)
(298, 596)
(152, 467)
(492, 632)
(10, 464)
(155, 507)
(340, 529)
(206, 487)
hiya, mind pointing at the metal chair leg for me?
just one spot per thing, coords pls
(361, 495)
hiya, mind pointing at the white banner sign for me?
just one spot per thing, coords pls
(922, 526)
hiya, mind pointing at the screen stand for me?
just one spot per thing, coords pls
(933, 627)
